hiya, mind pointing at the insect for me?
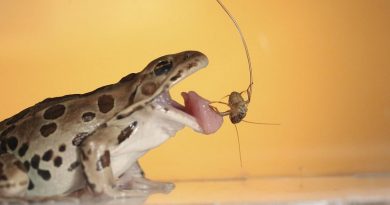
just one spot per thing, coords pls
(236, 102)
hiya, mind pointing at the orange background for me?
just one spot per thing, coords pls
(321, 69)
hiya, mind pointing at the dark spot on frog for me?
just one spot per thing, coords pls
(73, 166)
(177, 76)
(20, 166)
(30, 185)
(104, 161)
(174, 78)
(23, 149)
(45, 174)
(62, 148)
(35, 161)
(119, 117)
(125, 133)
(88, 116)
(26, 165)
(54, 112)
(105, 103)
(57, 161)
(8, 130)
(166, 109)
(192, 64)
(12, 143)
(149, 88)
(48, 129)
(3, 177)
(47, 155)
(18, 116)
(79, 138)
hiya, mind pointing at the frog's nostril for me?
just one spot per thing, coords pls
(187, 55)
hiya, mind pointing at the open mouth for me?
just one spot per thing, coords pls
(195, 113)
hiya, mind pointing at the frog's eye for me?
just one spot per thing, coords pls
(162, 67)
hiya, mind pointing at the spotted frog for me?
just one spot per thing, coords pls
(93, 141)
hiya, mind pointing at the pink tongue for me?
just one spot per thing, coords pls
(208, 119)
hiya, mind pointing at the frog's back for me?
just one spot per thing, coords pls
(60, 115)
(45, 137)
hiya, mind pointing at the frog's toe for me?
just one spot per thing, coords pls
(167, 187)
(152, 186)
(116, 193)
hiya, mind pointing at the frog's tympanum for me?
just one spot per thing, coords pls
(94, 140)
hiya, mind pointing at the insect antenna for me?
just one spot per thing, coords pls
(239, 144)
(238, 136)
(249, 90)
(260, 123)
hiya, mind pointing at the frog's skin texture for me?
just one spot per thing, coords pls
(94, 140)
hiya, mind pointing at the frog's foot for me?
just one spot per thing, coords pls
(143, 183)
(134, 178)
(120, 193)
(140, 183)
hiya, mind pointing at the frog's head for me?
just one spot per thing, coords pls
(164, 72)
(153, 87)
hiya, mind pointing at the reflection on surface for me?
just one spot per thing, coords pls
(332, 190)
(348, 190)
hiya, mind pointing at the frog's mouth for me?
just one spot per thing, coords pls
(195, 113)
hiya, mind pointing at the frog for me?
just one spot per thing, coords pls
(94, 140)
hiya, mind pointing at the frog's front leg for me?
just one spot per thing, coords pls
(134, 178)
(96, 161)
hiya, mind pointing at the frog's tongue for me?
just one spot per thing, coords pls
(198, 107)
